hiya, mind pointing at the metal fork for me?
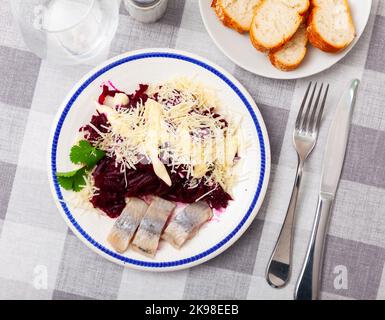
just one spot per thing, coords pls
(304, 138)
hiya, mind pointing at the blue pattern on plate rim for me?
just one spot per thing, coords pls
(57, 134)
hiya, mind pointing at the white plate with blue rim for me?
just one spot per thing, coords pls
(155, 66)
(239, 49)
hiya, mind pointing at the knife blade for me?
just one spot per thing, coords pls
(337, 141)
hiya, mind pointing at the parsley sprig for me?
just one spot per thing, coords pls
(84, 153)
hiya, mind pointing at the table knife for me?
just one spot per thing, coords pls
(307, 287)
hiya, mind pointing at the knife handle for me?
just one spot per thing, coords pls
(308, 283)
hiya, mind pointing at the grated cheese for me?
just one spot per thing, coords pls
(180, 128)
(81, 199)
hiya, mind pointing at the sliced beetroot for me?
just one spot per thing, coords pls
(100, 122)
(144, 182)
(107, 92)
(113, 186)
(138, 95)
(134, 98)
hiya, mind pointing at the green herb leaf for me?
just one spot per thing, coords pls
(85, 153)
(68, 174)
(73, 180)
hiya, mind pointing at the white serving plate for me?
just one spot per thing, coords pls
(239, 49)
(152, 66)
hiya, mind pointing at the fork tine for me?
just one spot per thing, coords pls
(298, 121)
(321, 111)
(305, 120)
(311, 123)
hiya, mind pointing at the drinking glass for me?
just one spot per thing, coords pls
(67, 31)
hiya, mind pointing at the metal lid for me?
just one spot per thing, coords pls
(145, 3)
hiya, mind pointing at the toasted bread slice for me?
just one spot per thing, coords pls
(275, 22)
(236, 14)
(290, 56)
(330, 25)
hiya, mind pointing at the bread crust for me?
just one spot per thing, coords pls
(260, 47)
(315, 37)
(283, 66)
(257, 45)
(225, 17)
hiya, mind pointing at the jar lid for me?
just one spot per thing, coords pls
(145, 3)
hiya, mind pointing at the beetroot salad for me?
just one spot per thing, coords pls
(169, 140)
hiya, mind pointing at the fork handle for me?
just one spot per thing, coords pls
(279, 266)
(307, 287)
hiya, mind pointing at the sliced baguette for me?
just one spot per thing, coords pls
(275, 22)
(330, 25)
(236, 14)
(290, 56)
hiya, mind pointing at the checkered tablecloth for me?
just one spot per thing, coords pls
(41, 259)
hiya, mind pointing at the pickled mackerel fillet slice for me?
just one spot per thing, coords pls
(127, 223)
(186, 223)
(147, 237)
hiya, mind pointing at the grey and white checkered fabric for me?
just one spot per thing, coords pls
(35, 239)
